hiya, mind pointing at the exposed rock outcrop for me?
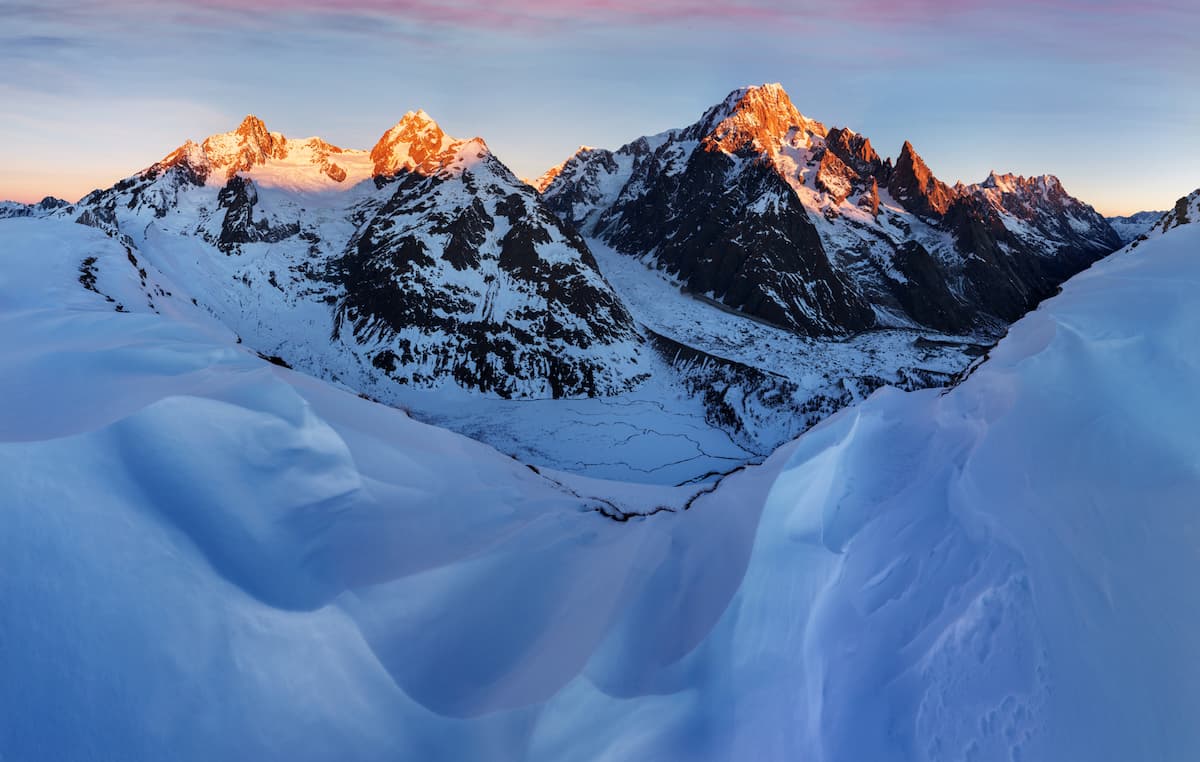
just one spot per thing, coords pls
(913, 184)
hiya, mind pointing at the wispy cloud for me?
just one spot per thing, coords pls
(494, 66)
(34, 44)
(1033, 22)
(524, 15)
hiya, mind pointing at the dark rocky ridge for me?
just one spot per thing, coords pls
(912, 183)
(769, 265)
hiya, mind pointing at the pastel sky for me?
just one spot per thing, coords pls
(1103, 93)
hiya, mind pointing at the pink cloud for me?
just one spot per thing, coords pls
(507, 16)
(547, 16)
(926, 10)
(540, 15)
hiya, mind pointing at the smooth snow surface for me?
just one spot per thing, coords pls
(209, 557)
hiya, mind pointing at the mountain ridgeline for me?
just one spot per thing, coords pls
(425, 262)
(809, 228)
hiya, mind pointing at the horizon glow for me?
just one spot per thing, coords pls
(1097, 92)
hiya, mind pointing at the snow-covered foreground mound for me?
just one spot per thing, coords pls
(209, 557)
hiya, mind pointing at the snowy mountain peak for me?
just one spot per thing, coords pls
(769, 212)
(1133, 226)
(48, 205)
(422, 262)
(1012, 183)
(417, 144)
(250, 145)
(254, 129)
(1028, 197)
(996, 180)
(543, 181)
(420, 116)
(269, 158)
(758, 118)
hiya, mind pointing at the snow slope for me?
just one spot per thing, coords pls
(1011, 563)
(207, 556)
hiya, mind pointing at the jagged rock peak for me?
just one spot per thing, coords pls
(1011, 183)
(756, 117)
(834, 177)
(913, 184)
(249, 145)
(49, 203)
(854, 149)
(418, 121)
(543, 181)
(417, 144)
(254, 129)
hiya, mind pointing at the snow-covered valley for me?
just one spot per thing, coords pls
(249, 562)
(662, 432)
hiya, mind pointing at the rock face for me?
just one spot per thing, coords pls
(716, 215)
(415, 144)
(464, 272)
(1185, 211)
(807, 227)
(250, 145)
(1000, 225)
(914, 186)
(423, 261)
(855, 151)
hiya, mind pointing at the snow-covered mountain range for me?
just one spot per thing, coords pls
(691, 301)
(42, 208)
(1132, 226)
(776, 215)
(421, 261)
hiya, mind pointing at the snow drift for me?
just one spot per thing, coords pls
(207, 556)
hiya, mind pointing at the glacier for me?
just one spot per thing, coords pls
(209, 556)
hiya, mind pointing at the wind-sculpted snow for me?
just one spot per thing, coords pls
(1013, 559)
(207, 556)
